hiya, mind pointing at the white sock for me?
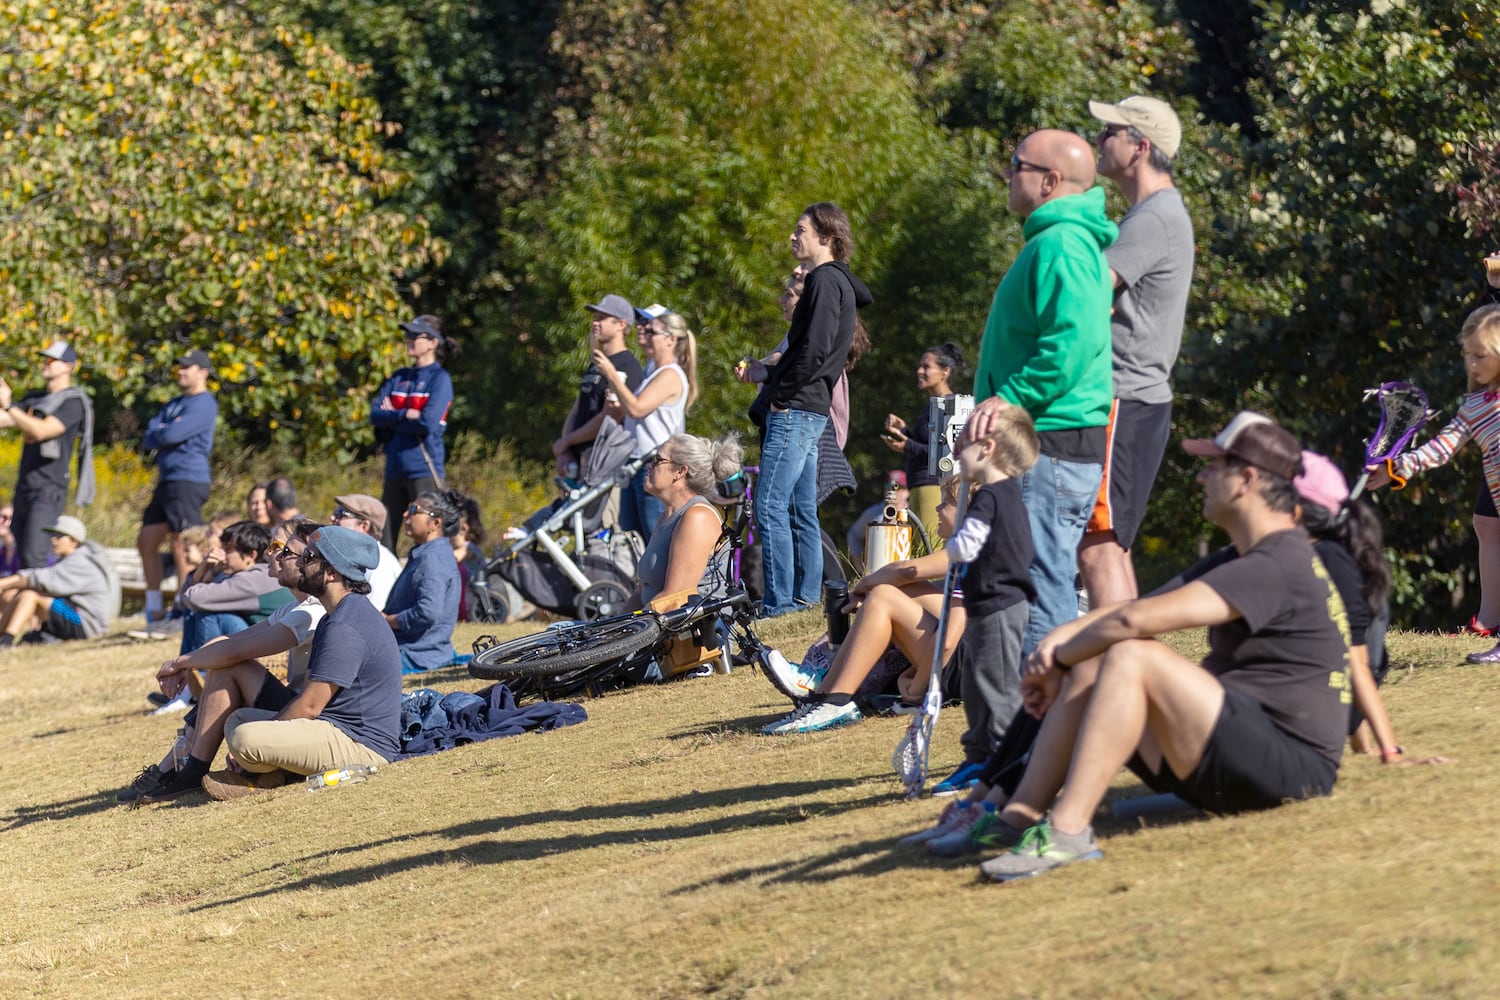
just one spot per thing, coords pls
(153, 604)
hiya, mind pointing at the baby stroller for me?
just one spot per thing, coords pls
(563, 562)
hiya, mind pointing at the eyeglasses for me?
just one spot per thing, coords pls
(1017, 165)
(660, 459)
(414, 509)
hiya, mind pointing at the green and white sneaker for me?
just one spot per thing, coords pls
(815, 717)
(1042, 849)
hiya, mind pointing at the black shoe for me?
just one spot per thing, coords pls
(172, 785)
(157, 698)
(148, 778)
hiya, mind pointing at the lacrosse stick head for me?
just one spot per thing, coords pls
(1403, 411)
(910, 759)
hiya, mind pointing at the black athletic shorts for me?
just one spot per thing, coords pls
(1136, 442)
(1250, 763)
(273, 695)
(1484, 504)
(63, 621)
(176, 503)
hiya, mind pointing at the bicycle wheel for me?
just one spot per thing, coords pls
(563, 650)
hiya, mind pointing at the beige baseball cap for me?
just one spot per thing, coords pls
(1151, 117)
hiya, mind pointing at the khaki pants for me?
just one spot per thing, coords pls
(261, 743)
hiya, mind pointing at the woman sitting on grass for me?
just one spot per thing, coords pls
(898, 605)
(684, 476)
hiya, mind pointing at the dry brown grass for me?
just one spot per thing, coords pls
(660, 849)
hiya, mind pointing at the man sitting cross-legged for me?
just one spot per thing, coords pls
(1260, 722)
(74, 598)
(235, 675)
(349, 710)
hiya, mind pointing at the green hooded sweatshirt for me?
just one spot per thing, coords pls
(1046, 344)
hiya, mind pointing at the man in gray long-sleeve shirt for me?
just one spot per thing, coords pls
(74, 598)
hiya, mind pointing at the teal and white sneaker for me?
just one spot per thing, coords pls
(1042, 849)
(815, 717)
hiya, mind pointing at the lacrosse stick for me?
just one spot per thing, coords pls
(910, 758)
(1403, 411)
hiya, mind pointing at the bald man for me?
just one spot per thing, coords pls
(1047, 349)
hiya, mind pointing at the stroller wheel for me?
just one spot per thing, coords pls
(601, 600)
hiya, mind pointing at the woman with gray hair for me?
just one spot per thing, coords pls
(684, 476)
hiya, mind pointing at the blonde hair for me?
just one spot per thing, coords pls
(1483, 328)
(196, 535)
(1015, 440)
(687, 352)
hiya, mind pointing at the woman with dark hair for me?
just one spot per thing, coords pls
(468, 550)
(423, 607)
(410, 414)
(935, 373)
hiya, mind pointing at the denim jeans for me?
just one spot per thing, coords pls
(1059, 496)
(200, 626)
(786, 508)
(639, 510)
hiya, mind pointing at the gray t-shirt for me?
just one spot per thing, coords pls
(1154, 257)
(355, 651)
(651, 570)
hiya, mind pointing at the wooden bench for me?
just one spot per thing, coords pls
(133, 577)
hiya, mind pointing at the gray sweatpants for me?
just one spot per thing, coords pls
(991, 677)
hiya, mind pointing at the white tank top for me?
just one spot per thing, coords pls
(661, 423)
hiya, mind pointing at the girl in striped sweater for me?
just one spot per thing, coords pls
(1478, 419)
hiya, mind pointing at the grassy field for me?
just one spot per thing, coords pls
(661, 849)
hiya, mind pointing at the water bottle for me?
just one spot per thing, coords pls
(180, 751)
(835, 596)
(351, 775)
(572, 471)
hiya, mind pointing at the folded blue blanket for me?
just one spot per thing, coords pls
(432, 721)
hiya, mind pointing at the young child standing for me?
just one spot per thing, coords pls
(1478, 419)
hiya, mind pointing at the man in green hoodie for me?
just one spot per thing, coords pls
(1047, 349)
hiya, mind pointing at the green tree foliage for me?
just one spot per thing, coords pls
(177, 178)
(1362, 262)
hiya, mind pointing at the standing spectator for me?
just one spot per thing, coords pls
(423, 607)
(799, 388)
(1151, 267)
(657, 412)
(255, 505)
(10, 556)
(410, 414)
(182, 435)
(362, 512)
(281, 500)
(49, 422)
(613, 316)
(74, 598)
(935, 373)
(1046, 349)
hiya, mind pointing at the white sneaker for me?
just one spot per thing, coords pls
(816, 717)
(959, 814)
(181, 703)
(772, 728)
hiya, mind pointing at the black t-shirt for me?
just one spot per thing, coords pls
(1000, 575)
(1289, 649)
(593, 386)
(39, 472)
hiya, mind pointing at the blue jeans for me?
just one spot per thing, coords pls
(786, 508)
(639, 510)
(200, 626)
(1059, 496)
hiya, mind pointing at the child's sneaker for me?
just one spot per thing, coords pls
(960, 840)
(959, 814)
(965, 778)
(1042, 849)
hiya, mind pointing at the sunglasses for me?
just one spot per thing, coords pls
(660, 459)
(1017, 165)
(414, 509)
(339, 513)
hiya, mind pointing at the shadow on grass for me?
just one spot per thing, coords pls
(589, 818)
(83, 805)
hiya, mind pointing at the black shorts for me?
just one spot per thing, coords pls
(63, 621)
(1136, 442)
(1484, 504)
(1249, 763)
(176, 503)
(273, 695)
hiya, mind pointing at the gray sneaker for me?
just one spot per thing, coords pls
(816, 717)
(960, 841)
(1042, 849)
(958, 814)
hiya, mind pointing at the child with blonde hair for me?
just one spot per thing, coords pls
(1478, 419)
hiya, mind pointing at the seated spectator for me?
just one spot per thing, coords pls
(281, 500)
(423, 607)
(684, 475)
(74, 598)
(1260, 722)
(10, 553)
(236, 676)
(897, 605)
(468, 549)
(349, 709)
(233, 588)
(255, 505)
(363, 512)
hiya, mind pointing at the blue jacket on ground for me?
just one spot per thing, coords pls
(182, 435)
(429, 391)
(425, 603)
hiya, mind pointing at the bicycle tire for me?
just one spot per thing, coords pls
(566, 650)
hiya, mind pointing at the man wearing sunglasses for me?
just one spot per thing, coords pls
(362, 512)
(1046, 348)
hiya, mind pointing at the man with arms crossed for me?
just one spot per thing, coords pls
(1151, 266)
(1260, 722)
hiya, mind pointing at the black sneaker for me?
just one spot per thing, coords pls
(170, 786)
(157, 699)
(148, 778)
